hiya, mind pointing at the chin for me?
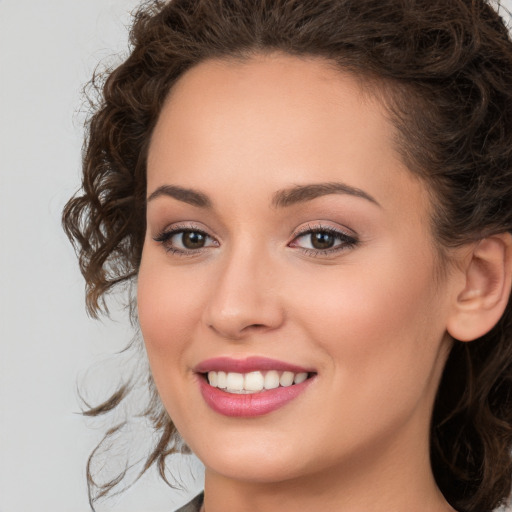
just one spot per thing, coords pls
(264, 461)
(257, 469)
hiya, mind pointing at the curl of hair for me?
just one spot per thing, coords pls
(445, 67)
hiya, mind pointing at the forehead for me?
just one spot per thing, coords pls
(303, 92)
(275, 120)
(274, 74)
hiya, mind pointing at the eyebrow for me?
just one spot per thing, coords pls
(186, 195)
(303, 193)
(281, 199)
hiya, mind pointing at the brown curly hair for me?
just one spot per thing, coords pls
(445, 70)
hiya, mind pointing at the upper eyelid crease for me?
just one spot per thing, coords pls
(323, 227)
(181, 229)
(308, 229)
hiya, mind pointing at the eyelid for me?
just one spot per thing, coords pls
(166, 234)
(348, 240)
(309, 228)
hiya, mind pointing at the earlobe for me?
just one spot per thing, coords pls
(482, 300)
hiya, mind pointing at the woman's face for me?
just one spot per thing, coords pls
(285, 237)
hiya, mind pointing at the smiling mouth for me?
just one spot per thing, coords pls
(255, 381)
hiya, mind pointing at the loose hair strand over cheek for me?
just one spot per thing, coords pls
(445, 67)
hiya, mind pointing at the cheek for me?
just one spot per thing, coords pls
(376, 322)
(380, 332)
(169, 310)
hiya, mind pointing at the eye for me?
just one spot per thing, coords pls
(189, 239)
(185, 241)
(322, 240)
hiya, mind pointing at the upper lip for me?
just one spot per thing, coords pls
(249, 364)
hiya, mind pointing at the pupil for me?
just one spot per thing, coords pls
(322, 240)
(192, 240)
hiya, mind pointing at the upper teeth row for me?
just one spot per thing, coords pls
(254, 381)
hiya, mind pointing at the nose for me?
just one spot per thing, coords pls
(245, 298)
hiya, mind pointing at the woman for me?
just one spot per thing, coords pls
(314, 200)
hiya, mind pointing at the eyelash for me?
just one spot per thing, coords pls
(164, 238)
(347, 241)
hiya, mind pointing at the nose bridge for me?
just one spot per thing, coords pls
(245, 295)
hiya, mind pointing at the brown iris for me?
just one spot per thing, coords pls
(322, 240)
(193, 239)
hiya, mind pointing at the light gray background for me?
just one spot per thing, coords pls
(48, 49)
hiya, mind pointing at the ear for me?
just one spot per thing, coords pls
(482, 298)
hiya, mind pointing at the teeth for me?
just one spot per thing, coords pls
(271, 380)
(300, 377)
(221, 380)
(235, 382)
(253, 382)
(286, 379)
(213, 379)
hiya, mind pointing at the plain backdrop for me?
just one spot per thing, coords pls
(48, 50)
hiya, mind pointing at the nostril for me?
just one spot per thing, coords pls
(255, 326)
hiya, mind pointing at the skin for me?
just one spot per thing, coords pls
(370, 319)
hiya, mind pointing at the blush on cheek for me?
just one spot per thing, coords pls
(154, 318)
(369, 319)
(167, 316)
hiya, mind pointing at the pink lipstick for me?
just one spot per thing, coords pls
(250, 387)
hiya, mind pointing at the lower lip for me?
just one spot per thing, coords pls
(250, 405)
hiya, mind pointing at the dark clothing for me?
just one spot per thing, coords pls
(194, 505)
